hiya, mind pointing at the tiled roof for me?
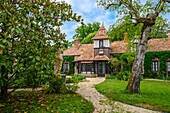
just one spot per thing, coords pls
(101, 34)
(72, 51)
(119, 47)
(85, 52)
(162, 44)
(101, 57)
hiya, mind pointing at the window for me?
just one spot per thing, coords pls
(88, 67)
(155, 66)
(66, 67)
(100, 43)
(168, 67)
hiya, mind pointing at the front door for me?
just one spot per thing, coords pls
(101, 69)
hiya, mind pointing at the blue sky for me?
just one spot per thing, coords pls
(90, 13)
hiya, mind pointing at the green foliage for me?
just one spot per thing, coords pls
(30, 39)
(38, 102)
(88, 38)
(84, 30)
(70, 60)
(115, 64)
(75, 78)
(123, 75)
(163, 57)
(127, 60)
(55, 85)
(111, 77)
(117, 30)
(154, 94)
(69, 80)
(78, 77)
(125, 25)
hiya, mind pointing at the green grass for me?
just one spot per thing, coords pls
(37, 102)
(154, 95)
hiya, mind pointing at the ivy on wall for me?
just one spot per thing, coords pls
(163, 56)
(69, 60)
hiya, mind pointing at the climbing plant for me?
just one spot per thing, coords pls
(163, 57)
(69, 60)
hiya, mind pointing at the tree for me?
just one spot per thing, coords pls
(84, 30)
(123, 25)
(30, 38)
(88, 38)
(115, 64)
(141, 13)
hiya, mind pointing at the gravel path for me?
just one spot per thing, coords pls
(101, 103)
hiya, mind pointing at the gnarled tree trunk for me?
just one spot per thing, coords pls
(134, 81)
(58, 63)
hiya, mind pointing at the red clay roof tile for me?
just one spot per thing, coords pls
(119, 47)
(162, 44)
(101, 34)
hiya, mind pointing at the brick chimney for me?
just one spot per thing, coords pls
(76, 43)
(168, 33)
(125, 35)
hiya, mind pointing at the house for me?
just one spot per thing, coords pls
(92, 59)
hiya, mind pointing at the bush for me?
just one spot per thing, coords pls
(111, 77)
(168, 78)
(69, 80)
(55, 85)
(123, 75)
(78, 77)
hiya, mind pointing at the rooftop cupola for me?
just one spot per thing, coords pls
(101, 34)
(101, 39)
(102, 44)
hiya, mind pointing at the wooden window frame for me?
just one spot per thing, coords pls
(155, 65)
(66, 67)
(100, 43)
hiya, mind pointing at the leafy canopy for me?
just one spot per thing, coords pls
(84, 30)
(29, 40)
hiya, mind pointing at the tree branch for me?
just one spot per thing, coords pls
(110, 5)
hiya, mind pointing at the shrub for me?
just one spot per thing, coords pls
(123, 75)
(161, 75)
(55, 85)
(78, 77)
(168, 78)
(111, 77)
(69, 80)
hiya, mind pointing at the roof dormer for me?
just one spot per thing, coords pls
(101, 39)
(101, 34)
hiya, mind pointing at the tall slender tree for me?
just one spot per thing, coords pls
(141, 13)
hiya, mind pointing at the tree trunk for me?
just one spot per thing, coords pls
(134, 80)
(58, 63)
(4, 87)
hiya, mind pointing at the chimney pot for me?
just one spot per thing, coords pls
(168, 33)
(76, 43)
(125, 37)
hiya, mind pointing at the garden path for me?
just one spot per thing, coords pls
(101, 103)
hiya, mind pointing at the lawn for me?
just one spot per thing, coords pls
(37, 102)
(154, 95)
